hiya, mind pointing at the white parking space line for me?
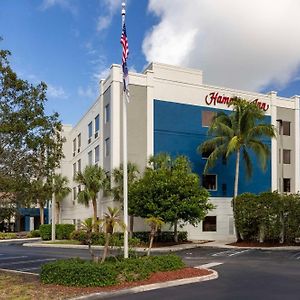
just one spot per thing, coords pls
(209, 265)
(27, 261)
(11, 257)
(239, 252)
(223, 253)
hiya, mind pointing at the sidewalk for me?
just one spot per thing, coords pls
(20, 240)
(213, 244)
(138, 249)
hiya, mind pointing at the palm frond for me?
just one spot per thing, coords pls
(248, 162)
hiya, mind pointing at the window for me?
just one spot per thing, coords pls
(90, 158)
(107, 113)
(209, 223)
(97, 125)
(79, 189)
(74, 147)
(210, 182)
(97, 152)
(286, 128)
(74, 170)
(79, 141)
(286, 185)
(79, 165)
(107, 147)
(286, 156)
(207, 117)
(90, 131)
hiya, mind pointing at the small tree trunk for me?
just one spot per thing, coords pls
(281, 239)
(152, 234)
(235, 192)
(42, 218)
(57, 213)
(105, 252)
(96, 226)
(262, 233)
(131, 223)
(176, 231)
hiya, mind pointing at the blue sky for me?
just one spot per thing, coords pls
(70, 44)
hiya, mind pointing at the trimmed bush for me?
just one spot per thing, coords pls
(34, 233)
(162, 236)
(45, 231)
(62, 231)
(77, 272)
(7, 236)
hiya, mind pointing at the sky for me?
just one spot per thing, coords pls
(71, 44)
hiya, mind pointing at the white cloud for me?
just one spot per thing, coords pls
(88, 92)
(111, 7)
(56, 92)
(65, 4)
(242, 44)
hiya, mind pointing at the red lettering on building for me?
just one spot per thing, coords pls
(214, 98)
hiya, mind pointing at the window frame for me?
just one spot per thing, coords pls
(286, 162)
(204, 226)
(98, 148)
(107, 147)
(107, 113)
(216, 176)
(286, 130)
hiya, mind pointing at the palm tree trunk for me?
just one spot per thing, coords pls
(42, 218)
(95, 212)
(152, 234)
(57, 213)
(105, 252)
(235, 192)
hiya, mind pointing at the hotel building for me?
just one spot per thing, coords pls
(170, 111)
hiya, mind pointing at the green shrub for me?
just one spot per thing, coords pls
(76, 272)
(45, 232)
(7, 236)
(162, 236)
(267, 215)
(63, 231)
(34, 233)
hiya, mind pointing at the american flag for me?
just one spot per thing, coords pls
(125, 52)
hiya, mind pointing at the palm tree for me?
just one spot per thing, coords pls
(240, 131)
(61, 190)
(110, 221)
(117, 190)
(94, 179)
(155, 223)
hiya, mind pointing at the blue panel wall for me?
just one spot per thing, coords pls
(178, 130)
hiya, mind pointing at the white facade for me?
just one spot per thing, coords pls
(176, 85)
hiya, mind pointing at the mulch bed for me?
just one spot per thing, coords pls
(258, 244)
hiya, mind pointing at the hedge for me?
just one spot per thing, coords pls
(77, 272)
(268, 216)
(98, 238)
(7, 236)
(62, 231)
(161, 236)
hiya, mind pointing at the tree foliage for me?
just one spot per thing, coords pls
(171, 191)
(30, 140)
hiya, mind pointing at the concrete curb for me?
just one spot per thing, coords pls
(224, 246)
(149, 287)
(164, 249)
(20, 240)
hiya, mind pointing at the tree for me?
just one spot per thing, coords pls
(30, 140)
(155, 223)
(117, 190)
(94, 179)
(238, 133)
(110, 221)
(61, 191)
(169, 190)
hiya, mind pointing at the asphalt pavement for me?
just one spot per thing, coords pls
(243, 273)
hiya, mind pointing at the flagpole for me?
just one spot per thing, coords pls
(125, 184)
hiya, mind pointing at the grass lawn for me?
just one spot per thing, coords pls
(19, 287)
(63, 242)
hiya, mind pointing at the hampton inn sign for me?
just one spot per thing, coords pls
(214, 99)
